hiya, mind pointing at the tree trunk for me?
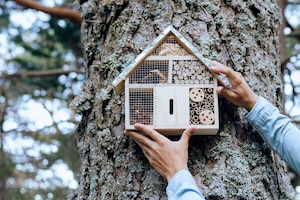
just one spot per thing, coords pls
(235, 164)
(282, 46)
(282, 4)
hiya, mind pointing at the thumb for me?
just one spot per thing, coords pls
(186, 135)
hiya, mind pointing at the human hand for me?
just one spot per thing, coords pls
(165, 156)
(240, 93)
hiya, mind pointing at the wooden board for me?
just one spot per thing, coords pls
(171, 106)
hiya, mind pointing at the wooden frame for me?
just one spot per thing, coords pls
(169, 88)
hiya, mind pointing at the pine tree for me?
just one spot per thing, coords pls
(235, 164)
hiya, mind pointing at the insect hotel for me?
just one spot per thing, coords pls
(169, 87)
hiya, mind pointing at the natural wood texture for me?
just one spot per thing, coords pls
(175, 76)
(180, 115)
(235, 164)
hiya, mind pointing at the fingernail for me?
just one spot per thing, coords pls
(136, 124)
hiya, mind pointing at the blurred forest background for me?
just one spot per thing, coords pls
(41, 71)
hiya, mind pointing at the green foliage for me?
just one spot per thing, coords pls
(4, 21)
(47, 49)
(49, 44)
(6, 166)
(290, 45)
(57, 194)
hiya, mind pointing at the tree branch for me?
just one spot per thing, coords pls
(40, 73)
(56, 11)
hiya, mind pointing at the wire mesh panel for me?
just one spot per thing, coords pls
(170, 46)
(202, 106)
(151, 72)
(141, 105)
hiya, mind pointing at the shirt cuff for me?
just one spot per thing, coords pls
(183, 182)
(260, 112)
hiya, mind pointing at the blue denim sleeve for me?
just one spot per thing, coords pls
(182, 186)
(277, 130)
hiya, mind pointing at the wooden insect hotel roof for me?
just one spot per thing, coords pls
(118, 83)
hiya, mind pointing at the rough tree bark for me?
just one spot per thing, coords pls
(235, 164)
